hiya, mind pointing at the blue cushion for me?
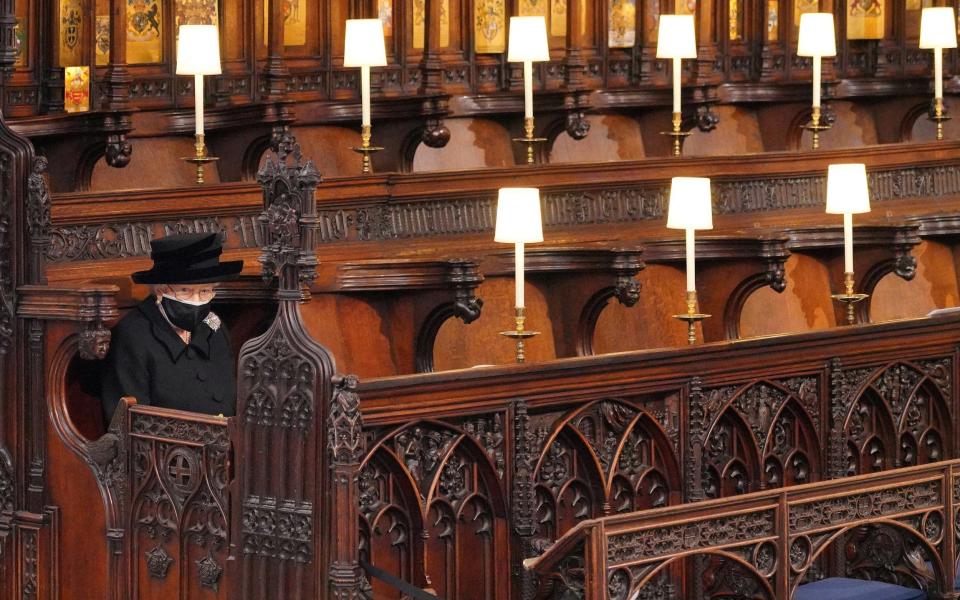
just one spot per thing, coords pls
(842, 588)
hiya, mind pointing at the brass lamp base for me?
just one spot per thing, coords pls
(938, 117)
(849, 298)
(519, 333)
(676, 134)
(692, 317)
(529, 140)
(201, 157)
(366, 149)
(815, 127)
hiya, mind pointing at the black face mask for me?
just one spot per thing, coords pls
(183, 315)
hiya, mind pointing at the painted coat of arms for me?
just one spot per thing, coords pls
(865, 19)
(144, 44)
(143, 20)
(196, 12)
(71, 30)
(490, 26)
(623, 29)
(102, 39)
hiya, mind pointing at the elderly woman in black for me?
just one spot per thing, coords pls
(171, 350)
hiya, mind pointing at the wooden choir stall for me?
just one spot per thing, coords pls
(786, 426)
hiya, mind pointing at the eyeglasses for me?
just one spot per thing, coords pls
(204, 294)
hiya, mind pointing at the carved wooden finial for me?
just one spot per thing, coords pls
(288, 222)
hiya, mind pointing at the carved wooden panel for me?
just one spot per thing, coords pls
(756, 435)
(607, 456)
(433, 507)
(893, 415)
(178, 510)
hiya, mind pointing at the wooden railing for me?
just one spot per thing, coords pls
(499, 462)
(895, 526)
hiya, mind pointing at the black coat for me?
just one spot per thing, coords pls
(149, 361)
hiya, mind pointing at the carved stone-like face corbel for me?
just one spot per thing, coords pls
(707, 120)
(905, 264)
(118, 151)
(776, 276)
(435, 134)
(577, 125)
(94, 342)
(627, 290)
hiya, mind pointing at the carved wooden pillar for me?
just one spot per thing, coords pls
(118, 78)
(50, 52)
(282, 514)
(276, 72)
(574, 59)
(346, 445)
(696, 430)
(8, 51)
(432, 65)
(575, 62)
(23, 198)
(773, 54)
(523, 501)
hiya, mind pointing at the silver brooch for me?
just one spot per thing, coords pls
(212, 321)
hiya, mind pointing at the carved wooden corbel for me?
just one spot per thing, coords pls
(576, 123)
(760, 263)
(880, 250)
(625, 265)
(459, 275)
(706, 119)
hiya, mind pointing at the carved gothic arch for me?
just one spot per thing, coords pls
(460, 440)
(750, 461)
(799, 572)
(253, 155)
(910, 118)
(660, 568)
(738, 298)
(904, 265)
(89, 157)
(887, 425)
(644, 422)
(812, 455)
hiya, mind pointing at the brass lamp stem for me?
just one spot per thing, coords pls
(529, 139)
(692, 317)
(849, 298)
(365, 149)
(938, 117)
(200, 157)
(676, 133)
(815, 127)
(519, 333)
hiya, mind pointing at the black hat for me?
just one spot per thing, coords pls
(188, 258)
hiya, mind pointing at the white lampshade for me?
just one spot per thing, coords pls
(677, 37)
(817, 35)
(364, 46)
(690, 204)
(847, 191)
(528, 40)
(198, 50)
(518, 216)
(937, 28)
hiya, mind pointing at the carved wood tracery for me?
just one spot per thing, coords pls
(763, 434)
(432, 503)
(178, 504)
(895, 415)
